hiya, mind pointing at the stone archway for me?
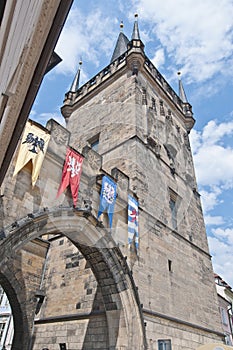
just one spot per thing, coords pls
(121, 301)
(12, 287)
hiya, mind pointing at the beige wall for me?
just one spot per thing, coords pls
(26, 28)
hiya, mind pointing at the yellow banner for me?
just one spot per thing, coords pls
(33, 147)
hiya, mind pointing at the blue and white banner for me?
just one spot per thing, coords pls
(107, 198)
(132, 222)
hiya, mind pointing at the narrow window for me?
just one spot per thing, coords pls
(69, 265)
(62, 346)
(170, 265)
(78, 306)
(144, 99)
(2, 326)
(173, 208)
(162, 111)
(164, 344)
(1, 294)
(61, 242)
(224, 316)
(153, 104)
(94, 143)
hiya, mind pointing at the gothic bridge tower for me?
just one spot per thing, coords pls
(138, 124)
(73, 282)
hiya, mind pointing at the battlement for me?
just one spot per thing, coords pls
(118, 65)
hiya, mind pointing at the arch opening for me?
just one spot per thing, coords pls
(114, 293)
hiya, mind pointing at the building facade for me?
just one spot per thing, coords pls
(96, 290)
(225, 297)
(6, 322)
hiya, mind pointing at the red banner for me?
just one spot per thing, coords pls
(71, 174)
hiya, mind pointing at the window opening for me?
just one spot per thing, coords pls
(62, 346)
(224, 316)
(153, 104)
(1, 294)
(164, 344)
(173, 208)
(144, 98)
(94, 143)
(170, 265)
(2, 326)
(78, 306)
(162, 111)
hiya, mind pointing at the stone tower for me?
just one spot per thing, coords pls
(96, 292)
(142, 129)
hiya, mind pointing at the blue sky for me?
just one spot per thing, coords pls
(191, 36)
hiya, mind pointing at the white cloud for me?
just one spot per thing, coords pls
(159, 58)
(213, 220)
(224, 235)
(197, 35)
(195, 140)
(86, 37)
(221, 246)
(213, 133)
(214, 166)
(213, 160)
(210, 199)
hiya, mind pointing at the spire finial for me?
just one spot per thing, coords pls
(75, 84)
(121, 45)
(182, 94)
(121, 26)
(135, 34)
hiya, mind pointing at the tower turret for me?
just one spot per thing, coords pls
(135, 34)
(121, 44)
(182, 94)
(187, 108)
(75, 84)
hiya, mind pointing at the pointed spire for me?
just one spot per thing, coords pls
(75, 84)
(182, 94)
(135, 34)
(121, 45)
